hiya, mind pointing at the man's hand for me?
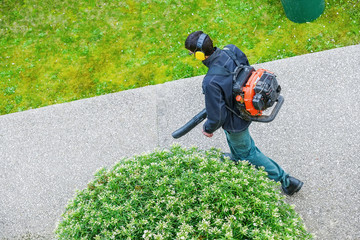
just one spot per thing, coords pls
(207, 134)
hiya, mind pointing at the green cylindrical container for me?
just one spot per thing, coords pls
(301, 11)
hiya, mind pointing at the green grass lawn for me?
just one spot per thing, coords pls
(59, 51)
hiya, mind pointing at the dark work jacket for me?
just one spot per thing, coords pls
(218, 93)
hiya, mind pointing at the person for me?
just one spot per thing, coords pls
(219, 97)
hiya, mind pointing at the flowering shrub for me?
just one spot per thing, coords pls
(180, 194)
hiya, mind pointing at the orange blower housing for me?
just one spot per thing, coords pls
(249, 92)
(256, 91)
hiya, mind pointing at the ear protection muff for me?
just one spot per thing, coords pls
(199, 54)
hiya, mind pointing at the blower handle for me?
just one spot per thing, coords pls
(273, 114)
(198, 118)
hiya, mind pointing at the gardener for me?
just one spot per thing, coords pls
(219, 96)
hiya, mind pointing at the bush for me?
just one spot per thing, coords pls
(180, 194)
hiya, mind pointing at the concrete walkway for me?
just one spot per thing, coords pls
(48, 153)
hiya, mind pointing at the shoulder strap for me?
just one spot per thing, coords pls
(231, 55)
(220, 70)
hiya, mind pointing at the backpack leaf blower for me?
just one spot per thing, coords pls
(254, 91)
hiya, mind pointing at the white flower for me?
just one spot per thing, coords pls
(204, 225)
(147, 235)
(218, 222)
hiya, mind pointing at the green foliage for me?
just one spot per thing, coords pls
(58, 51)
(180, 194)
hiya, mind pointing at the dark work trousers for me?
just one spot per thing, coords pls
(242, 147)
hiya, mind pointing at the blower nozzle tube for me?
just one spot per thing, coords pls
(198, 118)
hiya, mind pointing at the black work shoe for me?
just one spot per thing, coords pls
(294, 186)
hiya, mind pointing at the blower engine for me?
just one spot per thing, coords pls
(256, 91)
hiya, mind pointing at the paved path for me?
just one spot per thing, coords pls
(48, 153)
